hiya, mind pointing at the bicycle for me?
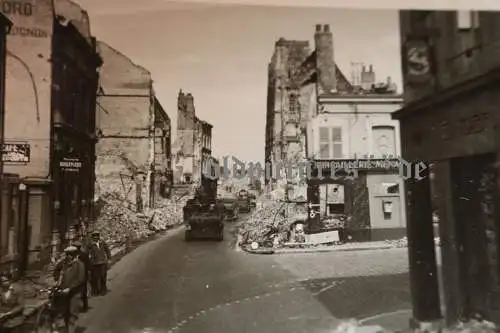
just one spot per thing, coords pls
(51, 318)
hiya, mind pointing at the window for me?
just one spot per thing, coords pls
(330, 142)
(387, 209)
(467, 19)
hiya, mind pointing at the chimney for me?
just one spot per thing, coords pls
(367, 78)
(325, 65)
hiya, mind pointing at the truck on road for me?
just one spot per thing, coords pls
(203, 214)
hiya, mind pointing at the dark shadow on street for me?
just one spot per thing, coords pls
(363, 296)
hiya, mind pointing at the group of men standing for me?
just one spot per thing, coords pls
(82, 264)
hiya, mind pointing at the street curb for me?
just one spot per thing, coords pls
(322, 250)
(29, 312)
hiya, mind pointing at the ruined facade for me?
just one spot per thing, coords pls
(451, 75)
(49, 128)
(133, 155)
(193, 142)
(316, 114)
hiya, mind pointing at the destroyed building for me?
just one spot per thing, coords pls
(316, 114)
(193, 141)
(133, 151)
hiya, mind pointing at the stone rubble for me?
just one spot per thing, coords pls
(268, 222)
(119, 224)
(472, 326)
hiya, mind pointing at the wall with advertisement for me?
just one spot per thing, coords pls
(28, 83)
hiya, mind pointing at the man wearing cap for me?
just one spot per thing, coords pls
(83, 256)
(99, 256)
(70, 275)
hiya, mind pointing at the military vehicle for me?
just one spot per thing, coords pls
(231, 207)
(244, 201)
(203, 214)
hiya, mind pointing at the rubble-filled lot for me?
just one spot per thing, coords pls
(270, 223)
(119, 224)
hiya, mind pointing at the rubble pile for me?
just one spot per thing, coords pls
(268, 222)
(472, 326)
(399, 243)
(119, 224)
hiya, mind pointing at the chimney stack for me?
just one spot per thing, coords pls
(325, 64)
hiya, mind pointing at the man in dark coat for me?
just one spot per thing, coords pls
(70, 274)
(99, 255)
(84, 257)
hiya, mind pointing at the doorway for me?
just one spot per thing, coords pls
(473, 194)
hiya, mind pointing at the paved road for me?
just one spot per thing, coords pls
(171, 286)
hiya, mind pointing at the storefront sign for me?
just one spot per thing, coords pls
(417, 61)
(16, 153)
(365, 164)
(70, 164)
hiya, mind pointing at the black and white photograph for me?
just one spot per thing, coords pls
(251, 166)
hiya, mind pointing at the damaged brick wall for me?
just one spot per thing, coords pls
(126, 119)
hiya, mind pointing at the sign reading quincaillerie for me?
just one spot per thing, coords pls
(16, 152)
(367, 164)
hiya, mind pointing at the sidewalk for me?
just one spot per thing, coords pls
(32, 306)
(307, 248)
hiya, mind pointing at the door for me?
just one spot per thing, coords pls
(474, 181)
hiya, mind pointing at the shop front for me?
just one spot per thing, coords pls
(456, 132)
(342, 195)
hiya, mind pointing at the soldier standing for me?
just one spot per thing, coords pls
(84, 257)
(99, 257)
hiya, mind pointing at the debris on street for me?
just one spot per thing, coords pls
(472, 326)
(270, 224)
(119, 224)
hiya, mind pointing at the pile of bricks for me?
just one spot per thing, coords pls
(119, 224)
(272, 218)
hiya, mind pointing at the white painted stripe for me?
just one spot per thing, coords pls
(386, 314)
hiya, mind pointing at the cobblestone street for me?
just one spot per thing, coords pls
(167, 286)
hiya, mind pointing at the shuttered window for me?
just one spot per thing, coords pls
(330, 143)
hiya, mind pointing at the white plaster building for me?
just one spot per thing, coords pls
(359, 126)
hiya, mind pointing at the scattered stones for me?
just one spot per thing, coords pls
(119, 224)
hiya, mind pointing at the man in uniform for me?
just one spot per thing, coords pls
(99, 257)
(84, 257)
(70, 275)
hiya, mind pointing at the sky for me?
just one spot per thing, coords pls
(220, 53)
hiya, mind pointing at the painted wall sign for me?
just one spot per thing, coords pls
(469, 125)
(23, 16)
(28, 32)
(70, 164)
(16, 152)
(21, 8)
(417, 61)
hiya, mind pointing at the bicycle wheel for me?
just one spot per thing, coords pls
(44, 322)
